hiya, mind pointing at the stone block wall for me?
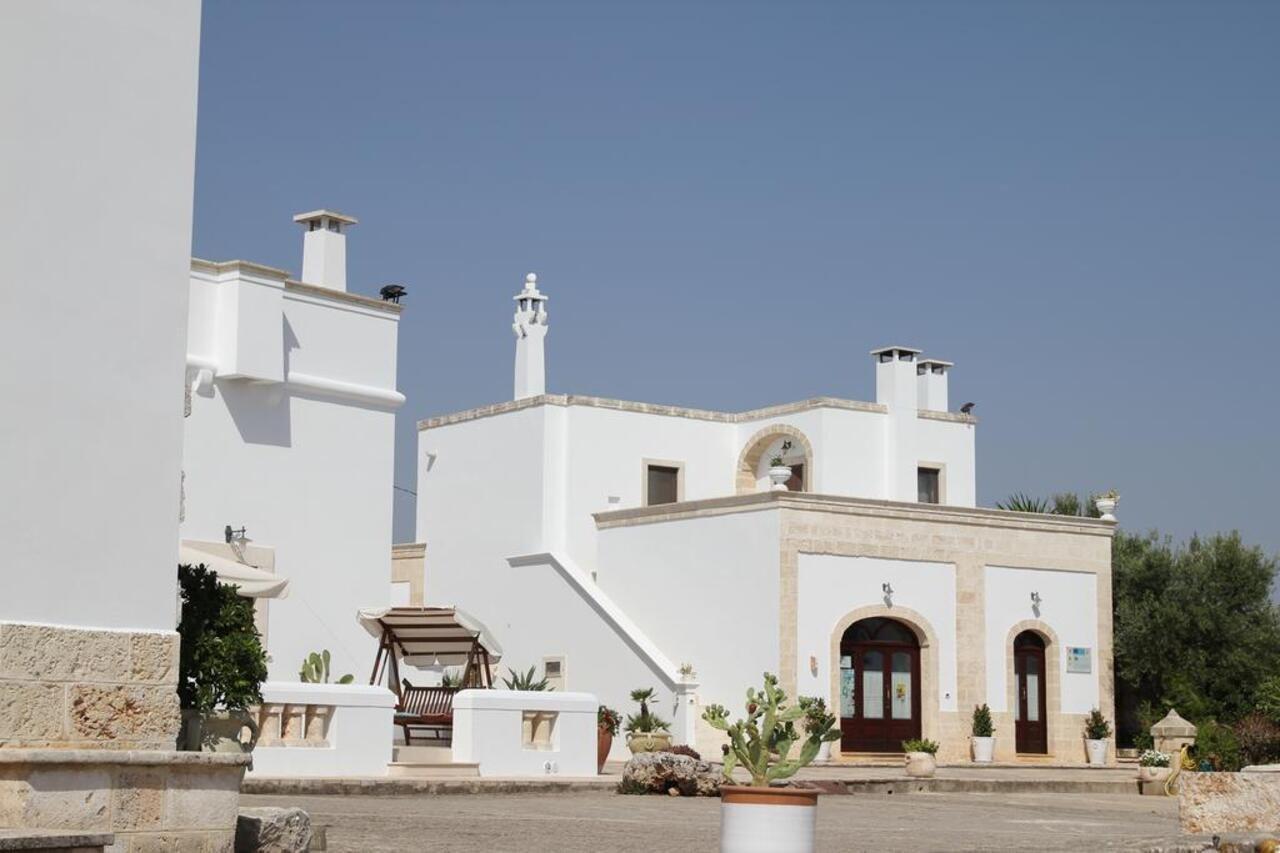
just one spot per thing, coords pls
(72, 688)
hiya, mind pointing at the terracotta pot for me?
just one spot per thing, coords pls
(780, 820)
(922, 765)
(604, 742)
(639, 742)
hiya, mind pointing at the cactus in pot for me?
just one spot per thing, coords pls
(315, 669)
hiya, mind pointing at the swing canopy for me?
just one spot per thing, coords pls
(430, 636)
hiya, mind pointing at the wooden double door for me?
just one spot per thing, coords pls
(879, 686)
(1031, 731)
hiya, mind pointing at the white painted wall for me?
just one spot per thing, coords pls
(692, 584)
(359, 736)
(1068, 605)
(96, 163)
(830, 587)
(488, 732)
(309, 474)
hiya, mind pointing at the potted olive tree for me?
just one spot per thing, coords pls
(221, 665)
(921, 759)
(646, 731)
(983, 733)
(607, 721)
(1096, 732)
(759, 816)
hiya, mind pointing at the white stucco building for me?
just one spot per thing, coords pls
(290, 436)
(614, 541)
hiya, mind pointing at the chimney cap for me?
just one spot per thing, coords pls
(881, 350)
(322, 213)
(937, 361)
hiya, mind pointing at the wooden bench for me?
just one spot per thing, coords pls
(429, 708)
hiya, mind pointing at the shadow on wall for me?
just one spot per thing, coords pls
(260, 412)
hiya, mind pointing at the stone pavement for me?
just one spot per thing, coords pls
(594, 821)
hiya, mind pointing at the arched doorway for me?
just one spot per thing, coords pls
(879, 686)
(1031, 731)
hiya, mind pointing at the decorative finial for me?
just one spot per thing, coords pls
(531, 281)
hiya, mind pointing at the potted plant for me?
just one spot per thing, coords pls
(646, 731)
(983, 734)
(1153, 766)
(221, 665)
(779, 472)
(607, 722)
(1106, 504)
(816, 719)
(922, 759)
(758, 816)
(1096, 732)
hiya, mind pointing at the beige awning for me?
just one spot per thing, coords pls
(250, 582)
(430, 636)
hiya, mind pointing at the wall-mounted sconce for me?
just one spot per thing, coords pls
(813, 665)
(234, 535)
(1035, 602)
(887, 589)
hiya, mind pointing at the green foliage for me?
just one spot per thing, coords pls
(1259, 739)
(315, 669)
(762, 741)
(451, 678)
(645, 722)
(1218, 746)
(525, 680)
(221, 663)
(1153, 758)
(608, 719)
(920, 745)
(1195, 628)
(816, 718)
(1096, 726)
(1267, 698)
(982, 726)
(1023, 503)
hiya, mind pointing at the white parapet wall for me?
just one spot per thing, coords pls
(525, 733)
(324, 730)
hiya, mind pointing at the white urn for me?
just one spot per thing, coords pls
(1107, 507)
(1096, 750)
(779, 474)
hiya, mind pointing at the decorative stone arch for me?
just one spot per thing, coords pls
(1052, 678)
(930, 727)
(753, 452)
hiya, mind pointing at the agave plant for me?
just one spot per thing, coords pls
(451, 678)
(762, 741)
(525, 680)
(315, 669)
(1020, 502)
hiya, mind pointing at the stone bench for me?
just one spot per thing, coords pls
(53, 841)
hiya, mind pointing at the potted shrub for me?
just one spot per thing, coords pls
(983, 734)
(1106, 504)
(816, 719)
(758, 816)
(922, 759)
(1153, 766)
(607, 721)
(1096, 732)
(221, 665)
(779, 474)
(646, 731)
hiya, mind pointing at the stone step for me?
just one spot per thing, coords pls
(423, 754)
(432, 770)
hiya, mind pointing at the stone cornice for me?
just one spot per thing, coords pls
(953, 417)
(291, 286)
(651, 409)
(200, 265)
(841, 505)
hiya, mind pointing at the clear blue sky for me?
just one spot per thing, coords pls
(730, 203)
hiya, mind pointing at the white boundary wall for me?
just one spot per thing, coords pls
(489, 731)
(358, 740)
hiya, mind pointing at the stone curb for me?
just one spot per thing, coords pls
(382, 787)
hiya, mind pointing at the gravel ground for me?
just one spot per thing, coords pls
(597, 821)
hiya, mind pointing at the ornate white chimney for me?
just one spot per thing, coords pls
(530, 326)
(324, 248)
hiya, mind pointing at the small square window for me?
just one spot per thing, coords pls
(663, 484)
(927, 485)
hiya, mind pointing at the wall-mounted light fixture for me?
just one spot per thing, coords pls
(887, 589)
(1035, 602)
(234, 535)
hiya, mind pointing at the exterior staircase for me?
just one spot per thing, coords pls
(428, 762)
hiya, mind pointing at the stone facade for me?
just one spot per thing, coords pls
(81, 688)
(1229, 802)
(150, 800)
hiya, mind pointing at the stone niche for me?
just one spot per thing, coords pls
(150, 800)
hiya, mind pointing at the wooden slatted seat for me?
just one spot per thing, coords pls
(429, 708)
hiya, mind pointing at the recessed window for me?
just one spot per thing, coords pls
(553, 670)
(663, 484)
(927, 485)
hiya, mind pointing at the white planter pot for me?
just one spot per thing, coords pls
(1107, 506)
(984, 749)
(1153, 774)
(767, 820)
(780, 474)
(1097, 752)
(921, 765)
(824, 751)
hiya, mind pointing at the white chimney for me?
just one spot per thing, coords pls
(896, 377)
(530, 326)
(324, 248)
(931, 379)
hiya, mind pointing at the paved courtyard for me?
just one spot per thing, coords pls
(599, 821)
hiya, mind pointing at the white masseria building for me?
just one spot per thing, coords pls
(615, 542)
